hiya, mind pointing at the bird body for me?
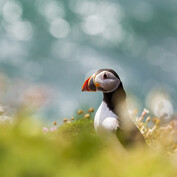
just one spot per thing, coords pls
(112, 115)
(105, 118)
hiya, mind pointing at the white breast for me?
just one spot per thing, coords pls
(105, 118)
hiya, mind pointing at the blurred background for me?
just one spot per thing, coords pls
(49, 47)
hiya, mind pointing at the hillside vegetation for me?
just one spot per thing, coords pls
(75, 150)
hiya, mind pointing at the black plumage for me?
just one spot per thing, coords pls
(127, 132)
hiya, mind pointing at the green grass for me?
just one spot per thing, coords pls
(74, 150)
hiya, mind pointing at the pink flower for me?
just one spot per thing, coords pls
(52, 129)
(45, 129)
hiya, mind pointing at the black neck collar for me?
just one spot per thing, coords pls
(108, 98)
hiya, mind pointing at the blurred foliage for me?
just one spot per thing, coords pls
(74, 149)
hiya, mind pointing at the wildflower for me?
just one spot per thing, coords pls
(45, 129)
(148, 134)
(68, 121)
(87, 116)
(145, 111)
(65, 120)
(80, 112)
(146, 130)
(163, 109)
(140, 124)
(154, 128)
(156, 121)
(72, 118)
(54, 123)
(148, 119)
(52, 129)
(91, 110)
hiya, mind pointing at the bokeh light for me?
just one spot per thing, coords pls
(12, 11)
(59, 43)
(51, 9)
(94, 25)
(59, 28)
(21, 30)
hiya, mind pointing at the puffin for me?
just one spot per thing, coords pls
(112, 115)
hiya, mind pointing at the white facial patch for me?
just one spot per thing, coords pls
(108, 81)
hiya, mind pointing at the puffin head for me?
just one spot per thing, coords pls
(105, 80)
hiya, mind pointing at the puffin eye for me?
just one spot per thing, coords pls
(105, 76)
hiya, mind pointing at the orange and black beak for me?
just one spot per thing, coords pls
(89, 85)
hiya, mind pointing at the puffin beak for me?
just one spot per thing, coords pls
(89, 85)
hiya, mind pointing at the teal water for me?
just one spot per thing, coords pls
(55, 45)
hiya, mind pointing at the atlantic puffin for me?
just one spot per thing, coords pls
(112, 115)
